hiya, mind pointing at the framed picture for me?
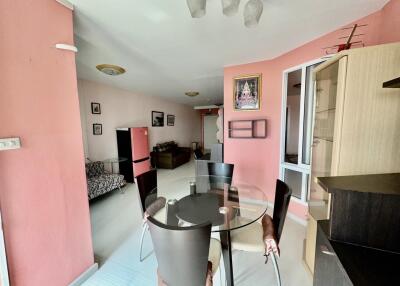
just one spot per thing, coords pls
(247, 92)
(97, 129)
(96, 108)
(170, 120)
(157, 118)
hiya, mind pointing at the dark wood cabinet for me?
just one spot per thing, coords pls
(342, 264)
(328, 268)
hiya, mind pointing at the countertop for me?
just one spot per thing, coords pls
(374, 183)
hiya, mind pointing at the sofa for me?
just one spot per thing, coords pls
(99, 181)
(169, 155)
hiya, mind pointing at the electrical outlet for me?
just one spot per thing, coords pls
(9, 143)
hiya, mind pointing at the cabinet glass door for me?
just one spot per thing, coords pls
(324, 124)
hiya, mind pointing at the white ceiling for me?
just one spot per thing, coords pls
(166, 52)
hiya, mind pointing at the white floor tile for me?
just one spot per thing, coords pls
(116, 227)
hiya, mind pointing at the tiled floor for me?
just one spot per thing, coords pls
(116, 226)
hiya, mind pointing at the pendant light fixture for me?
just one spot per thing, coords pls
(252, 13)
(252, 10)
(197, 8)
(230, 7)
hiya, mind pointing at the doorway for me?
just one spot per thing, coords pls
(209, 131)
(296, 129)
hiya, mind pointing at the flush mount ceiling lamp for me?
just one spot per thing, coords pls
(110, 69)
(252, 13)
(230, 7)
(197, 8)
(192, 93)
(252, 10)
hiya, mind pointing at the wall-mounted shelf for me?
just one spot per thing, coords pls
(247, 129)
(394, 83)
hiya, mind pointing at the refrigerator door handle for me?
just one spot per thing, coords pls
(141, 160)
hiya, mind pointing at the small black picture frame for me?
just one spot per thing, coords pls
(157, 119)
(97, 129)
(96, 108)
(170, 120)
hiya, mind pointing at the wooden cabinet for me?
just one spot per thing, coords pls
(356, 120)
(342, 264)
(328, 268)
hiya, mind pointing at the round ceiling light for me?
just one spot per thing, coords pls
(110, 69)
(192, 93)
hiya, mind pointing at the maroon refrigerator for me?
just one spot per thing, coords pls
(133, 144)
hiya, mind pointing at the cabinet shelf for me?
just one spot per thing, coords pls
(394, 83)
(330, 139)
(326, 110)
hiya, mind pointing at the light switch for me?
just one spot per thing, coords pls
(9, 143)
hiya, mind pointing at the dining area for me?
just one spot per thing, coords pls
(196, 223)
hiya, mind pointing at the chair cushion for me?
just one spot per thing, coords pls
(214, 254)
(269, 237)
(155, 206)
(248, 238)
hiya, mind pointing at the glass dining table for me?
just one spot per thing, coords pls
(227, 204)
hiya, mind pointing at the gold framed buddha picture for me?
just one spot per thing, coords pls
(247, 92)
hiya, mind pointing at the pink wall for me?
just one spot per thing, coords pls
(257, 161)
(43, 195)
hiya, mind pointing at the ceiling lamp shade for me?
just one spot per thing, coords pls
(192, 93)
(230, 7)
(110, 69)
(197, 8)
(252, 13)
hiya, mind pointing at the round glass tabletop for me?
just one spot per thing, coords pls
(225, 203)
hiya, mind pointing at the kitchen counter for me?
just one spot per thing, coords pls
(376, 183)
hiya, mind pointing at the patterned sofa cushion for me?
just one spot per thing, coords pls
(103, 184)
(94, 169)
(99, 181)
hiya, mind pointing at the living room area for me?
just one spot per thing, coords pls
(172, 129)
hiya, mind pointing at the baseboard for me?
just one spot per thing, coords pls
(85, 275)
(290, 215)
(297, 219)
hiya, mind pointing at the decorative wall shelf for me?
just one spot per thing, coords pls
(247, 129)
(394, 83)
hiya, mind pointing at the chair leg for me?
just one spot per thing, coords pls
(122, 191)
(144, 228)
(278, 276)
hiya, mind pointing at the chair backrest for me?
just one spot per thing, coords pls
(181, 252)
(223, 174)
(147, 185)
(281, 205)
(220, 169)
(198, 154)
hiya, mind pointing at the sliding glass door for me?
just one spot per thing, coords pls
(296, 128)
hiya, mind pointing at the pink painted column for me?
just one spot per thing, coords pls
(43, 195)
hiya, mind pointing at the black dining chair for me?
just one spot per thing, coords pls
(220, 175)
(150, 204)
(185, 255)
(265, 237)
(198, 154)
